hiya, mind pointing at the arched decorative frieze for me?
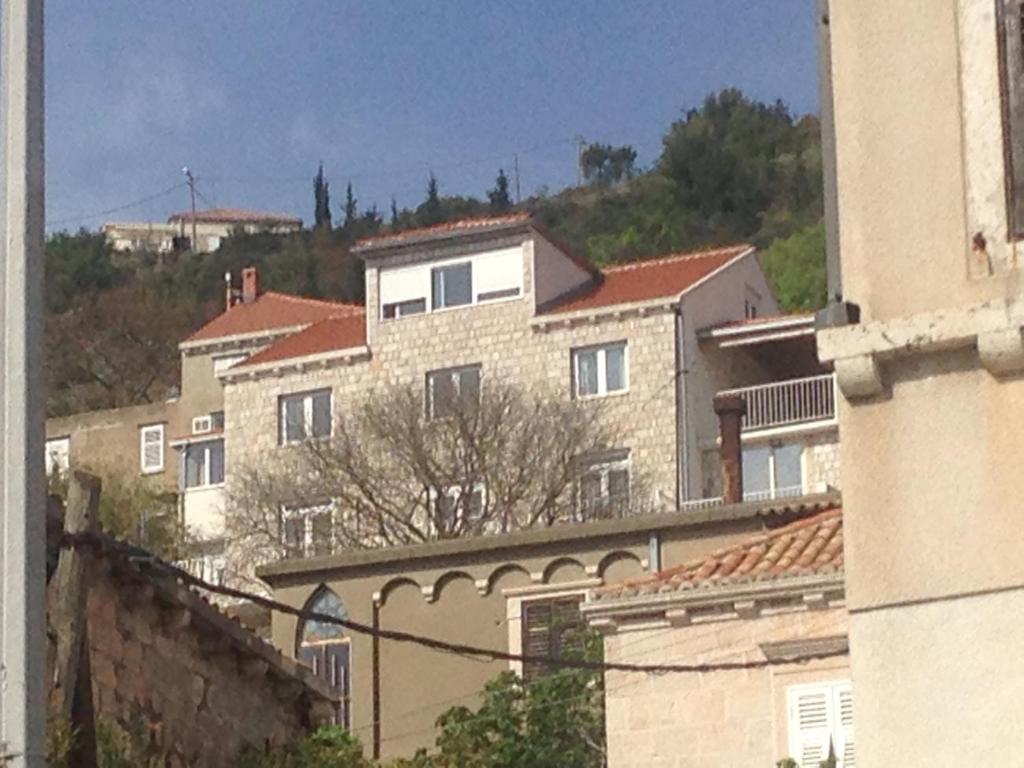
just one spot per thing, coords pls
(615, 560)
(380, 597)
(433, 592)
(562, 564)
(487, 585)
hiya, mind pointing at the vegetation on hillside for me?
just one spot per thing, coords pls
(732, 170)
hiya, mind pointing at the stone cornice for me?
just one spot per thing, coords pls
(601, 314)
(239, 340)
(858, 351)
(273, 368)
(731, 601)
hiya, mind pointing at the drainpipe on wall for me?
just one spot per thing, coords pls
(376, 680)
(730, 410)
(682, 444)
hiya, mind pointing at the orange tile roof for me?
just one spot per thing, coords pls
(462, 226)
(271, 310)
(645, 280)
(233, 215)
(811, 546)
(335, 333)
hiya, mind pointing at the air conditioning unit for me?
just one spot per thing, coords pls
(202, 424)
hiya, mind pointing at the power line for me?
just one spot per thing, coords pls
(146, 559)
(126, 206)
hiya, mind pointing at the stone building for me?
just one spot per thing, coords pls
(516, 591)
(181, 680)
(929, 168)
(773, 598)
(211, 228)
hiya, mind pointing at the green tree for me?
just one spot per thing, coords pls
(351, 208)
(499, 196)
(796, 267)
(78, 264)
(605, 165)
(328, 747)
(394, 212)
(430, 211)
(322, 196)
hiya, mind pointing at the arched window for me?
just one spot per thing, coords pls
(324, 648)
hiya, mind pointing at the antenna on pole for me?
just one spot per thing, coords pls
(516, 159)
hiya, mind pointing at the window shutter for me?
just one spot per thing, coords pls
(844, 714)
(549, 628)
(152, 448)
(809, 724)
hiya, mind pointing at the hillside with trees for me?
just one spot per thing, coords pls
(732, 170)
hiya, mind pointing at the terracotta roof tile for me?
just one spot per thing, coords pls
(271, 310)
(335, 333)
(813, 545)
(231, 215)
(462, 226)
(645, 280)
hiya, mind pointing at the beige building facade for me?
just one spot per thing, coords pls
(928, 137)
(775, 602)
(212, 227)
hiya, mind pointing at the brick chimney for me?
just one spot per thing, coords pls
(730, 410)
(250, 285)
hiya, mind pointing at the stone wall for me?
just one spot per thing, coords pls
(198, 685)
(728, 719)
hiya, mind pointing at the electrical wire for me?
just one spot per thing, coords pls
(126, 206)
(147, 560)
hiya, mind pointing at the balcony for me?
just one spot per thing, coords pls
(788, 403)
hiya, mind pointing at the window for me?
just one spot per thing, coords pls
(58, 452)
(820, 716)
(550, 626)
(217, 419)
(772, 471)
(304, 416)
(452, 390)
(204, 464)
(404, 308)
(458, 508)
(308, 531)
(151, 448)
(600, 370)
(1011, 19)
(604, 486)
(324, 648)
(751, 301)
(451, 286)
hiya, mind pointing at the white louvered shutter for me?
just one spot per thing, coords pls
(810, 710)
(844, 717)
(153, 448)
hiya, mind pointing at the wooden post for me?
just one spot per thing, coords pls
(74, 683)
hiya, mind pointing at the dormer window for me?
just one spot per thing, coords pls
(451, 285)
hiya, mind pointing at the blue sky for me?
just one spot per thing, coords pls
(252, 94)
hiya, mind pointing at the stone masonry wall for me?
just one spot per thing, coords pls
(731, 719)
(499, 337)
(198, 701)
(821, 461)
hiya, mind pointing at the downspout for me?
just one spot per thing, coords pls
(376, 679)
(682, 444)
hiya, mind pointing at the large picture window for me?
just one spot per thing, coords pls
(451, 286)
(204, 464)
(772, 471)
(600, 370)
(452, 390)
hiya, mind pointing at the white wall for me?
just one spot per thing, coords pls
(554, 273)
(204, 511)
(492, 270)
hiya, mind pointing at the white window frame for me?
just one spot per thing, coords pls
(307, 415)
(446, 266)
(842, 735)
(774, 491)
(453, 493)
(604, 465)
(145, 431)
(205, 446)
(456, 375)
(601, 351)
(306, 514)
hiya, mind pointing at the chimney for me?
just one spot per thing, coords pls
(730, 410)
(250, 285)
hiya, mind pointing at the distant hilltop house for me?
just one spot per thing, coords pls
(211, 227)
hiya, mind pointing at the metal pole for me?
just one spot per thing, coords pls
(22, 488)
(828, 154)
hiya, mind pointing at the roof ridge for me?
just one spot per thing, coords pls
(678, 256)
(308, 300)
(444, 226)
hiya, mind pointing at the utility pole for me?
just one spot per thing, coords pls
(192, 191)
(22, 480)
(516, 160)
(580, 144)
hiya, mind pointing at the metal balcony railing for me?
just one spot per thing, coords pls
(785, 403)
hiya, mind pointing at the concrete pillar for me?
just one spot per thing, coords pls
(22, 481)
